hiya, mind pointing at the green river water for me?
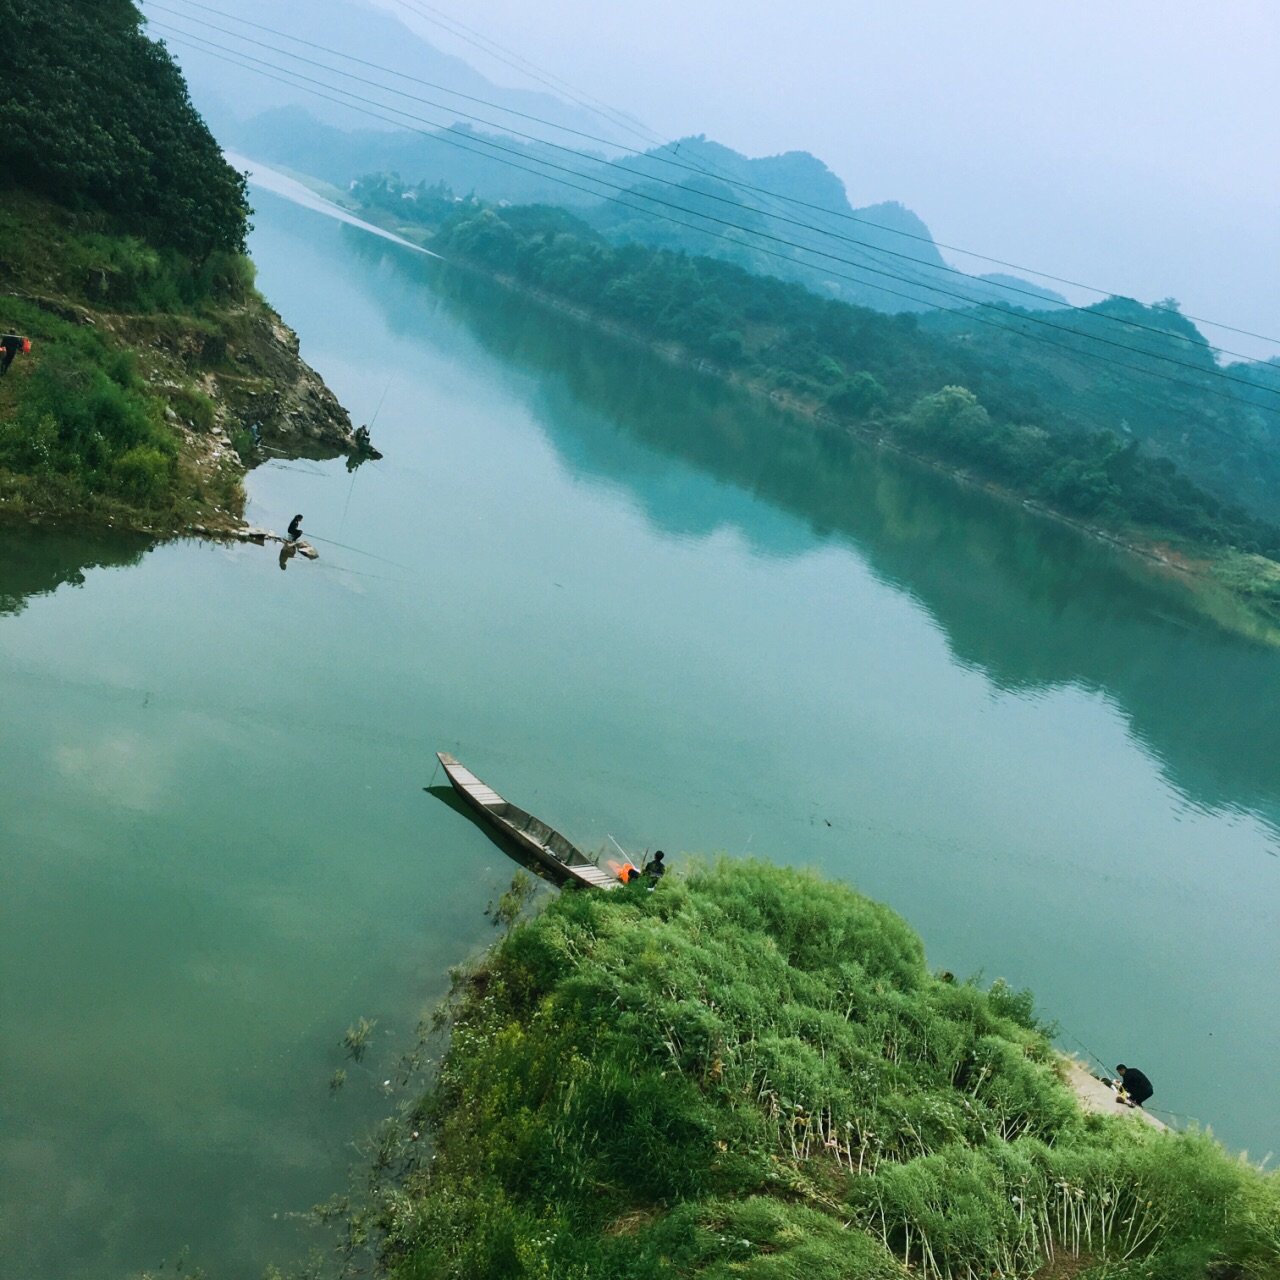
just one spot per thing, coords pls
(641, 605)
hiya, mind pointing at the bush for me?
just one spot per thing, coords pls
(750, 1072)
(98, 115)
(85, 416)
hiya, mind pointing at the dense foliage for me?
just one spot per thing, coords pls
(750, 1072)
(87, 419)
(96, 115)
(1000, 403)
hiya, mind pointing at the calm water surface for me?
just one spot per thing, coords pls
(641, 606)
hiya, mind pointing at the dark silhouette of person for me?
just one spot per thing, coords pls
(10, 346)
(287, 552)
(656, 869)
(1135, 1084)
(295, 528)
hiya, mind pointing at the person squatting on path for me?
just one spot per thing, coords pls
(1134, 1084)
(10, 346)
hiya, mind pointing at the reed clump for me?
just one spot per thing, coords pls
(750, 1072)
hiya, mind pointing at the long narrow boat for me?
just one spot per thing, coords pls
(565, 862)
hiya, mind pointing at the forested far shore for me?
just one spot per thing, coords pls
(1002, 406)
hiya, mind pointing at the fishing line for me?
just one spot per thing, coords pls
(302, 471)
(381, 402)
(315, 537)
(356, 472)
(356, 573)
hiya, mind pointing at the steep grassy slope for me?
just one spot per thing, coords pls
(146, 375)
(122, 231)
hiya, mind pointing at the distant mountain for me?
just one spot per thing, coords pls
(461, 157)
(226, 94)
(1048, 299)
(786, 215)
(761, 213)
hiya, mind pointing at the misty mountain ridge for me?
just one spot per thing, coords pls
(891, 263)
(359, 30)
(889, 251)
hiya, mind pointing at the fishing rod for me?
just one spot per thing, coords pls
(346, 506)
(1087, 1050)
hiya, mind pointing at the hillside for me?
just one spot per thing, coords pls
(226, 95)
(630, 198)
(751, 1072)
(1043, 421)
(122, 231)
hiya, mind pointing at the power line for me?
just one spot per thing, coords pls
(714, 170)
(635, 193)
(873, 250)
(538, 73)
(450, 138)
(527, 68)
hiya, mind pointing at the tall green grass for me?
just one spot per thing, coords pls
(85, 416)
(751, 1072)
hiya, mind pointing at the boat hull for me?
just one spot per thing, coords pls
(563, 860)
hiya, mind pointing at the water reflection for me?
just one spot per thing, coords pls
(36, 561)
(1030, 603)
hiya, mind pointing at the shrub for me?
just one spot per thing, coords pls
(749, 1072)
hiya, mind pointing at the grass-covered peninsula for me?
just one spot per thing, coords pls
(752, 1072)
(122, 260)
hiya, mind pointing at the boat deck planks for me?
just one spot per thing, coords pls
(561, 858)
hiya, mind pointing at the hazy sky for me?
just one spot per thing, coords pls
(1125, 143)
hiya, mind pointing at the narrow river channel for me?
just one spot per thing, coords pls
(643, 606)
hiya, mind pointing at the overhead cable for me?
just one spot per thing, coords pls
(452, 138)
(708, 170)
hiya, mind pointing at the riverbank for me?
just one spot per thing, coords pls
(1238, 577)
(750, 1071)
(146, 397)
(769, 339)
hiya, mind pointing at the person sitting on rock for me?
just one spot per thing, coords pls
(295, 528)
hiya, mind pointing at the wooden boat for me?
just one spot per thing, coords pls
(563, 860)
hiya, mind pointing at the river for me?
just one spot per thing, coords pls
(643, 606)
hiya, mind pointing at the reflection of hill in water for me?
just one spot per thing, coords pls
(1030, 603)
(34, 562)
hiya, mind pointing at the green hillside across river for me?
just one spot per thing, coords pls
(1055, 419)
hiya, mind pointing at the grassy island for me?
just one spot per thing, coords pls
(751, 1072)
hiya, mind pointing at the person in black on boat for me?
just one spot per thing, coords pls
(1135, 1084)
(10, 346)
(655, 869)
(295, 528)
